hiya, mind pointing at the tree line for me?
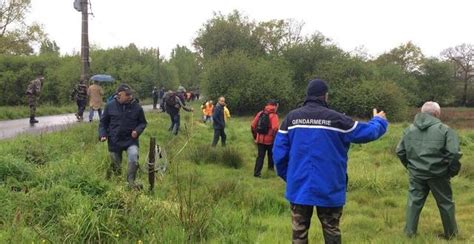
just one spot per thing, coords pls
(250, 62)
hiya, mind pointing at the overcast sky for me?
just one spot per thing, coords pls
(378, 25)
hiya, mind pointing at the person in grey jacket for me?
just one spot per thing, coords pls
(121, 124)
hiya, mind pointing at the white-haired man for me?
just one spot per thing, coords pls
(430, 151)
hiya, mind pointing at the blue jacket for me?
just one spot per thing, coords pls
(218, 117)
(118, 121)
(310, 152)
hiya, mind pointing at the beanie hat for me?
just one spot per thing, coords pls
(316, 88)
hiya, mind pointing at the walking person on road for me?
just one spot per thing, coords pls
(310, 153)
(79, 94)
(430, 152)
(121, 125)
(155, 94)
(95, 93)
(33, 92)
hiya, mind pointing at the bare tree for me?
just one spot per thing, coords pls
(463, 57)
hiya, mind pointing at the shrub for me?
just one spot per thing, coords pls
(247, 83)
(359, 98)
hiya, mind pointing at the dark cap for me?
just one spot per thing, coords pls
(125, 88)
(272, 102)
(316, 88)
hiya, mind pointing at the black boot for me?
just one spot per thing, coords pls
(33, 120)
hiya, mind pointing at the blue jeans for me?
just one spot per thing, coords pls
(174, 123)
(91, 113)
(132, 153)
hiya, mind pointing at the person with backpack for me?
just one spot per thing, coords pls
(264, 128)
(173, 102)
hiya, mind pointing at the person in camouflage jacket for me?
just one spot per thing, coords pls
(79, 93)
(33, 92)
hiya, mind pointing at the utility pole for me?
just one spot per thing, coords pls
(83, 6)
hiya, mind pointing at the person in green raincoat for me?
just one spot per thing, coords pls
(430, 151)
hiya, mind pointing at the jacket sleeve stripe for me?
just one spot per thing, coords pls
(283, 131)
(322, 127)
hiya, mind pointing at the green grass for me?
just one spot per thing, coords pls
(53, 188)
(19, 112)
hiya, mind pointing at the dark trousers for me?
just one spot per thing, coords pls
(262, 149)
(329, 218)
(175, 121)
(418, 192)
(81, 106)
(219, 133)
(32, 102)
(155, 101)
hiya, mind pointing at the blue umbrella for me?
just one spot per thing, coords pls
(103, 78)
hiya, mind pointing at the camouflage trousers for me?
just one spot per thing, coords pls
(329, 218)
(32, 102)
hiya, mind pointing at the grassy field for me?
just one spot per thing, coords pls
(53, 189)
(19, 112)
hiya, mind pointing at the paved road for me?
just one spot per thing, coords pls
(12, 128)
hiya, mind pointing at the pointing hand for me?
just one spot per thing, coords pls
(380, 114)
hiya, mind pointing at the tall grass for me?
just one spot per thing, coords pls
(19, 112)
(53, 188)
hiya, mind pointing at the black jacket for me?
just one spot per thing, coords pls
(118, 121)
(218, 117)
(180, 103)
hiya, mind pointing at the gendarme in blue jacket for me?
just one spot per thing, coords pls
(118, 121)
(310, 152)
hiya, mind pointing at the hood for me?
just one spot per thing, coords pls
(270, 108)
(423, 121)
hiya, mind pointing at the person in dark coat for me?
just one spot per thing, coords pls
(173, 102)
(219, 122)
(79, 94)
(121, 124)
(155, 94)
(161, 94)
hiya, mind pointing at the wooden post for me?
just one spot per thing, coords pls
(151, 163)
(85, 42)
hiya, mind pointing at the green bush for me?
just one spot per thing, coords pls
(247, 83)
(359, 98)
